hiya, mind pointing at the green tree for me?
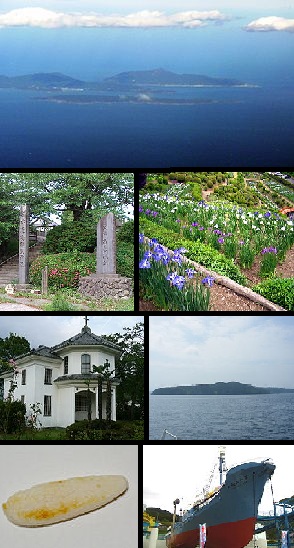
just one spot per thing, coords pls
(130, 370)
(75, 193)
(11, 347)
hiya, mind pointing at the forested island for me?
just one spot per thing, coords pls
(53, 81)
(217, 389)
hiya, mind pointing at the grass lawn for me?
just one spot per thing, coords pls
(128, 428)
(44, 434)
(67, 300)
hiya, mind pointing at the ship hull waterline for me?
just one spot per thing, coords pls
(230, 515)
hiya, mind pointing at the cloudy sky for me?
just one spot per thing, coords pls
(194, 464)
(91, 40)
(51, 330)
(206, 349)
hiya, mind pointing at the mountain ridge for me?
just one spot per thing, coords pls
(129, 80)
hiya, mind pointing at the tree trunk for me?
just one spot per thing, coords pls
(108, 402)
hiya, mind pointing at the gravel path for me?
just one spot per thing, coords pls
(16, 307)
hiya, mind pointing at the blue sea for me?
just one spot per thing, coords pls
(243, 127)
(256, 417)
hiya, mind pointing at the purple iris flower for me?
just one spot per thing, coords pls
(267, 214)
(221, 240)
(141, 238)
(141, 209)
(171, 276)
(145, 264)
(179, 282)
(190, 272)
(177, 258)
(208, 280)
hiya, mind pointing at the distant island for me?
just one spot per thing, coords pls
(53, 81)
(161, 77)
(218, 388)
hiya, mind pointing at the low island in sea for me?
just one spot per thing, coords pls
(217, 389)
(145, 86)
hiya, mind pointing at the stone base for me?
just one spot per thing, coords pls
(23, 287)
(113, 286)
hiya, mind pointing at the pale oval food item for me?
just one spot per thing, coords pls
(56, 501)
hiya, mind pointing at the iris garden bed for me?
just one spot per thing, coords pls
(223, 237)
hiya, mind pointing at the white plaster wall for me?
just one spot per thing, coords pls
(66, 408)
(74, 358)
(45, 390)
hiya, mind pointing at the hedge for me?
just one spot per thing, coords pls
(65, 269)
(12, 416)
(102, 430)
(277, 290)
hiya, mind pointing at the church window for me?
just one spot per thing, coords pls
(47, 406)
(23, 376)
(86, 363)
(65, 363)
(48, 376)
(22, 399)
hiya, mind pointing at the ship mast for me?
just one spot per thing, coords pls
(222, 464)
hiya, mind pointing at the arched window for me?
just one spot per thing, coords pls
(85, 363)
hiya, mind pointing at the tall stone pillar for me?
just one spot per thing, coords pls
(24, 219)
(113, 403)
(106, 245)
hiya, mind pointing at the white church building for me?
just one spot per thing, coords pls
(58, 378)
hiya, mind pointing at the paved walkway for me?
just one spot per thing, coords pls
(16, 307)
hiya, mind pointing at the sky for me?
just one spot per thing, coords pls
(51, 330)
(256, 350)
(91, 40)
(194, 464)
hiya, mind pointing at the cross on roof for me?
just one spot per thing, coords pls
(86, 320)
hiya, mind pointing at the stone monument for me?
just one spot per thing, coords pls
(106, 245)
(106, 282)
(24, 220)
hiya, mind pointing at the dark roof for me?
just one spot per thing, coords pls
(43, 351)
(86, 338)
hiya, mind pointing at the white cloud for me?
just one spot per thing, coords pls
(192, 350)
(271, 23)
(40, 17)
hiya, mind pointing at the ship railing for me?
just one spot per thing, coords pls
(165, 432)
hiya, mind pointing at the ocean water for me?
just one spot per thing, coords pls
(243, 127)
(256, 417)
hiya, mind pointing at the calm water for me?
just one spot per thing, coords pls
(260, 417)
(245, 127)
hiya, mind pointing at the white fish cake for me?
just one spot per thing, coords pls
(56, 501)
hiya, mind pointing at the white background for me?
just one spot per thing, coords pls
(114, 526)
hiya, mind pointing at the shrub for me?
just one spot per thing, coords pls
(64, 269)
(278, 290)
(59, 302)
(12, 416)
(126, 233)
(196, 251)
(102, 430)
(74, 236)
(125, 259)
